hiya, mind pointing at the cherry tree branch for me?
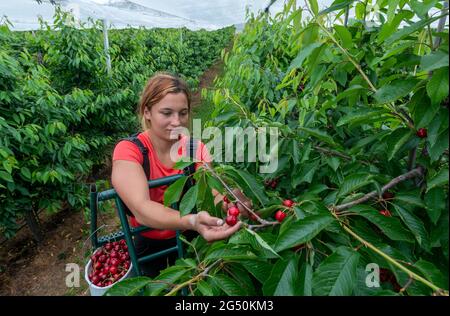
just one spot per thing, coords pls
(409, 175)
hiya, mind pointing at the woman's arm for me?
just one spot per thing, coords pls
(129, 181)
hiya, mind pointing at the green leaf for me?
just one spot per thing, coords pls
(214, 183)
(258, 268)
(251, 187)
(262, 242)
(314, 6)
(302, 231)
(361, 115)
(437, 87)
(231, 253)
(422, 8)
(283, 279)
(390, 226)
(302, 55)
(173, 192)
(430, 272)
(6, 176)
(228, 285)
(412, 198)
(404, 32)
(360, 10)
(128, 287)
(345, 36)
(439, 179)
(26, 173)
(181, 164)
(415, 225)
(321, 135)
(205, 288)
(435, 201)
(337, 5)
(336, 275)
(353, 182)
(396, 140)
(305, 280)
(189, 200)
(167, 277)
(394, 90)
(306, 173)
(434, 61)
(333, 162)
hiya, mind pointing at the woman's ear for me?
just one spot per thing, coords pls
(147, 114)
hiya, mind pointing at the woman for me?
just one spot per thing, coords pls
(163, 109)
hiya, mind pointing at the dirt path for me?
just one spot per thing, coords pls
(28, 268)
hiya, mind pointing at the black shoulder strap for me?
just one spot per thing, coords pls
(144, 152)
(145, 163)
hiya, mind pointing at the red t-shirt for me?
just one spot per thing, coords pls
(126, 150)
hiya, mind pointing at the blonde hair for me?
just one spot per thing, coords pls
(157, 87)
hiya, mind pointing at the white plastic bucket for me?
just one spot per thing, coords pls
(97, 290)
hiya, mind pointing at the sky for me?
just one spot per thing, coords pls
(194, 14)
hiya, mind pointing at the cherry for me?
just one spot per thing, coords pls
(274, 184)
(422, 133)
(117, 247)
(115, 262)
(231, 220)
(95, 279)
(233, 211)
(102, 259)
(386, 213)
(280, 215)
(113, 270)
(225, 199)
(288, 203)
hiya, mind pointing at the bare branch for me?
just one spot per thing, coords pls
(409, 175)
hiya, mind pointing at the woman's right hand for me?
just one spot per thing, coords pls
(212, 228)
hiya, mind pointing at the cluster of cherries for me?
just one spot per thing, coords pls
(109, 263)
(232, 213)
(387, 196)
(271, 183)
(281, 215)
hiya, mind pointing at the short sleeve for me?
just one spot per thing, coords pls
(126, 150)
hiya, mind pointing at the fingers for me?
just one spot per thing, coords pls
(205, 219)
(218, 234)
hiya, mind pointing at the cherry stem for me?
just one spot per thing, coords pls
(259, 219)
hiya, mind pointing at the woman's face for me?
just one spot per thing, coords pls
(168, 115)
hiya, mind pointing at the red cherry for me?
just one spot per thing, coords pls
(98, 266)
(280, 215)
(95, 279)
(231, 220)
(273, 184)
(386, 213)
(288, 203)
(115, 262)
(117, 247)
(122, 242)
(113, 269)
(225, 199)
(102, 258)
(113, 254)
(422, 133)
(108, 247)
(233, 211)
